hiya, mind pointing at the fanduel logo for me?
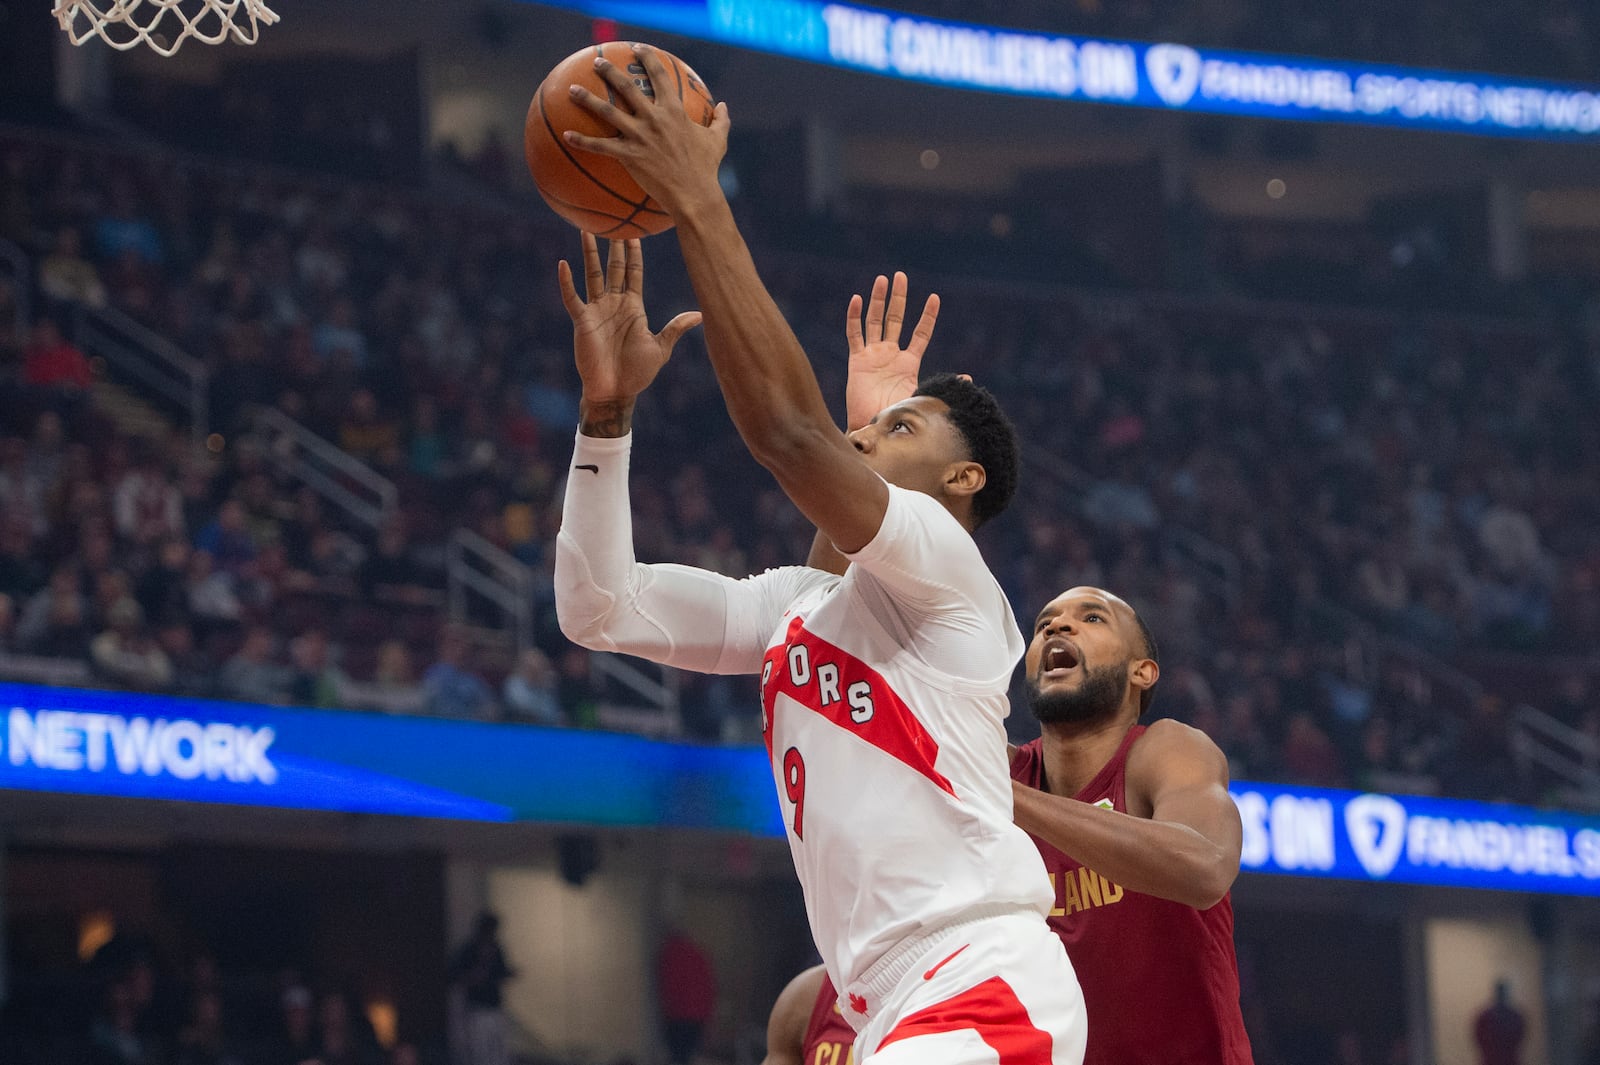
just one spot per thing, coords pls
(70, 741)
(1174, 72)
(1376, 825)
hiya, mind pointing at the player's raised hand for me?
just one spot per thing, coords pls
(617, 354)
(672, 157)
(882, 373)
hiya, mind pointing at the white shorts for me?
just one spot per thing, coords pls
(993, 990)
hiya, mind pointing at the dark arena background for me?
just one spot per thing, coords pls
(1296, 306)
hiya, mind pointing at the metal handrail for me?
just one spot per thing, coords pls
(476, 565)
(661, 694)
(1557, 747)
(152, 359)
(22, 270)
(325, 468)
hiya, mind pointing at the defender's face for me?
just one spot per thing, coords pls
(1080, 631)
(911, 444)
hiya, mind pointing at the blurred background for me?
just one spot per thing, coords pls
(286, 396)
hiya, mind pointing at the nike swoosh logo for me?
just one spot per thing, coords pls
(929, 974)
(591, 468)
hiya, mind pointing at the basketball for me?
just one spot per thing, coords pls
(592, 192)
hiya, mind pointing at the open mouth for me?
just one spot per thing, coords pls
(1059, 659)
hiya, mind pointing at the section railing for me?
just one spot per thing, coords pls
(477, 571)
(334, 474)
(151, 360)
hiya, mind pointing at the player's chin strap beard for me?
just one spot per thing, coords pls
(1098, 697)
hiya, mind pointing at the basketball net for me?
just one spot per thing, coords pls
(163, 25)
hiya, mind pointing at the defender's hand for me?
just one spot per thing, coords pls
(617, 354)
(672, 157)
(882, 373)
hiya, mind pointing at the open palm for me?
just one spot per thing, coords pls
(882, 373)
(617, 354)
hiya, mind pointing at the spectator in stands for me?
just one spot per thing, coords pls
(213, 599)
(532, 693)
(251, 674)
(20, 572)
(227, 539)
(126, 655)
(338, 339)
(118, 1035)
(203, 1040)
(66, 276)
(344, 1036)
(426, 446)
(295, 1042)
(23, 492)
(364, 431)
(453, 690)
(122, 228)
(8, 623)
(55, 622)
(162, 589)
(686, 986)
(478, 971)
(1309, 757)
(147, 505)
(317, 681)
(56, 369)
(191, 668)
(1499, 1029)
(390, 572)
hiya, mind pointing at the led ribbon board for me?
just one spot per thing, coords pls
(1412, 840)
(115, 744)
(112, 744)
(1173, 77)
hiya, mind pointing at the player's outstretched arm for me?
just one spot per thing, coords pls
(880, 372)
(766, 379)
(1186, 849)
(605, 599)
(786, 1027)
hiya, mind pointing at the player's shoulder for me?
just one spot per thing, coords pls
(799, 997)
(1170, 746)
(793, 581)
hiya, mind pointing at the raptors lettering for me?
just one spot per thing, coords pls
(830, 681)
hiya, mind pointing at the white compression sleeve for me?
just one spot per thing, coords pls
(605, 599)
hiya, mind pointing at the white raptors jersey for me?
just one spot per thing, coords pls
(883, 697)
(884, 692)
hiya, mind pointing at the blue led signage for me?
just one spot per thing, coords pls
(1166, 76)
(114, 744)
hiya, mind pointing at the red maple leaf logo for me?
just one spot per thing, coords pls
(858, 1003)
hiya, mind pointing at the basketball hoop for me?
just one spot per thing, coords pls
(163, 24)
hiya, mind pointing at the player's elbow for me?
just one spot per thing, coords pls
(582, 607)
(1212, 882)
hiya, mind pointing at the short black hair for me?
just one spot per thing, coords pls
(1152, 652)
(990, 437)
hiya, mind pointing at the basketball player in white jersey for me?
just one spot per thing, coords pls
(883, 690)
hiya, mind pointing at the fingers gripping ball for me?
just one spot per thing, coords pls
(595, 193)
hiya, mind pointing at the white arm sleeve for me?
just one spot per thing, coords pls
(676, 615)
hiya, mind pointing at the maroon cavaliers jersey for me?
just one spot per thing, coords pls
(1160, 980)
(829, 1040)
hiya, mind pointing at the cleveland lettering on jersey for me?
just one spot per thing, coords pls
(1083, 889)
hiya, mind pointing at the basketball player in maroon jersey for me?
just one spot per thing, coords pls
(1140, 837)
(1134, 822)
(806, 1027)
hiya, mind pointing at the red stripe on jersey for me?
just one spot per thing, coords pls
(992, 1010)
(849, 693)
